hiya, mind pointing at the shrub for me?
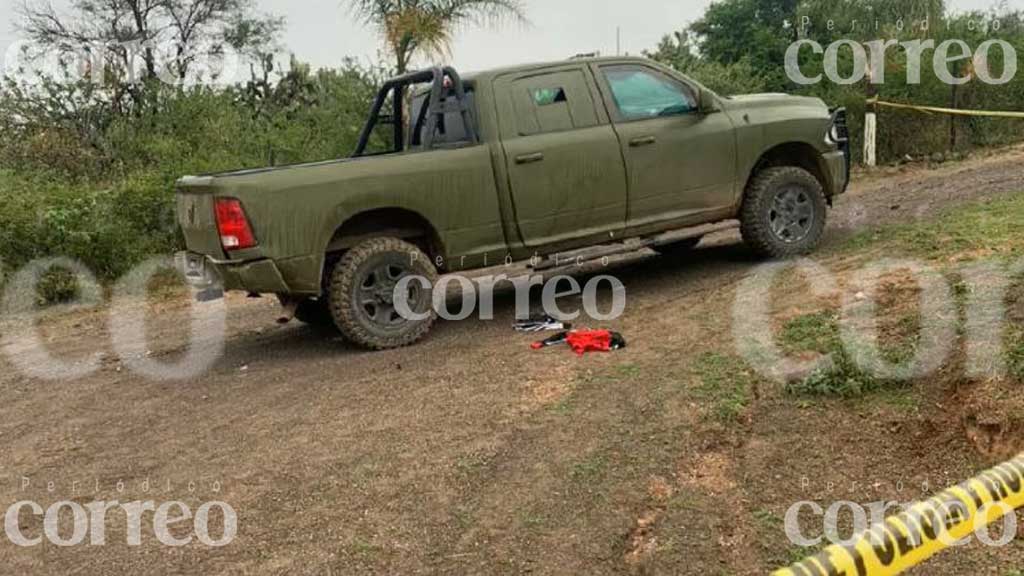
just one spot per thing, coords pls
(97, 187)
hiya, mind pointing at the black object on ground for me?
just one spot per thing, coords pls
(540, 324)
(560, 338)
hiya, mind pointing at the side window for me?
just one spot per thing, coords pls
(641, 93)
(553, 102)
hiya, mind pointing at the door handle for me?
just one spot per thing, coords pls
(642, 141)
(530, 158)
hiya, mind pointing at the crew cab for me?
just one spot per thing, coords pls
(455, 173)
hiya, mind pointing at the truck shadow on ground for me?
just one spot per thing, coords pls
(646, 277)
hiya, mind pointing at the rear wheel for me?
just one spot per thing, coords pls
(362, 294)
(783, 213)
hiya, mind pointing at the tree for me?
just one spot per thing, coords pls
(732, 29)
(755, 30)
(426, 27)
(135, 42)
(677, 50)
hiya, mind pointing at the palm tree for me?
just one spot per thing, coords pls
(414, 27)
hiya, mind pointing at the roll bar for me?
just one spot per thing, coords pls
(438, 106)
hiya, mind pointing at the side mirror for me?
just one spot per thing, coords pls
(708, 102)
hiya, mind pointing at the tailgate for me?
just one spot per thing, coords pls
(195, 216)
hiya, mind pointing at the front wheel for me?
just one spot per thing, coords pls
(783, 212)
(363, 299)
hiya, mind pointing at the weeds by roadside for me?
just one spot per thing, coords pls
(726, 382)
(818, 332)
(987, 230)
(983, 230)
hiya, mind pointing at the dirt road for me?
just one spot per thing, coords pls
(471, 453)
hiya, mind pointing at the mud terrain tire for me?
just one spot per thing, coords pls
(360, 293)
(783, 213)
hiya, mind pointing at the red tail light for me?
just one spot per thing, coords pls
(235, 232)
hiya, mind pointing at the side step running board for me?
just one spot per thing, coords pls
(592, 253)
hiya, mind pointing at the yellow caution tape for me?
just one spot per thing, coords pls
(953, 111)
(923, 530)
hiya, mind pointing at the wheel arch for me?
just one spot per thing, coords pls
(797, 154)
(398, 222)
(402, 223)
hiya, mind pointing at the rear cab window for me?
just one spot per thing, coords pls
(451, 129)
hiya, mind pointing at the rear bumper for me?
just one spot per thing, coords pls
(259, 276)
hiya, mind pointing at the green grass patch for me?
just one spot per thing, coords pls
(589, 470)
(817, 332)
(986, 229)
(362, 547)
(468, 464)
(726, 383)
(531, 520)
(843, 378)
(980, 231)
(903, 399)
(900, 344)
(1015, 352)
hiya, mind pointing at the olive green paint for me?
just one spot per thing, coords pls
(599, 179)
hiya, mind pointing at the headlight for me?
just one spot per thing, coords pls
(837, 132)
(832, 135)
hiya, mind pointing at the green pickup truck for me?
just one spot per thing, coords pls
(455, 173)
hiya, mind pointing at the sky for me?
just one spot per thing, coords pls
(323, 32)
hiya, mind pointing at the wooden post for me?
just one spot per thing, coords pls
(954, 104)
(870, 134)
(870, 123)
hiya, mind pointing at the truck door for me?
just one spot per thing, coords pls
(566, 171)
(680, 162)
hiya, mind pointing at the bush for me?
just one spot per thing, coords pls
(738, 47)
(107, 229)
(101, 191)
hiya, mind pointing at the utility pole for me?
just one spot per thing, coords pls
(618, 40)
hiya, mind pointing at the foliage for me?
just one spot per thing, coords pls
(739, 46)
(756, 32)
(127, 46)
(740, 77)
(98, 186)
(425, 27)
